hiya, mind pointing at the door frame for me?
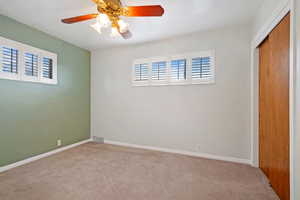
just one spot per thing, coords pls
(279, 13)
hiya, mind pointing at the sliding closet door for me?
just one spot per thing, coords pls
(274, 108)
(264, 106)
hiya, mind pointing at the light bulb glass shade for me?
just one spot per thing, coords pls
(114, 32)
(103, 20)
(123, 26)
(97, 27)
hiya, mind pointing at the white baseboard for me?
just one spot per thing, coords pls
(34, 158)
(188, 153)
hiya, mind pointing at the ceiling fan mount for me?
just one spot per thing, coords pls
(111, 10)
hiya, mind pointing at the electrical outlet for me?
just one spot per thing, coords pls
(58, 142)
(198, 148)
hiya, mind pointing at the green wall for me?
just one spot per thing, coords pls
(33, 116)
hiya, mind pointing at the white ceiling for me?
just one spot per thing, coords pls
(181, 17)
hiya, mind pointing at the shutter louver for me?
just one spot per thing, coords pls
(47, 69)
(10, 60)
(201, 68)
(159, 71)
(31, 64)
(178, 70)
(141, 72)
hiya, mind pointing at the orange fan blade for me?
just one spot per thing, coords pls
(126, 35)
(145, 11)
(79, 18)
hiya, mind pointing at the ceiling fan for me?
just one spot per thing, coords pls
(110, 12)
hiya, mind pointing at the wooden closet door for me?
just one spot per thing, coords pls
(274, 108)
(264, 106)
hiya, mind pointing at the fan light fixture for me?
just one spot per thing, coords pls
(114, 32)
(123, 26)
(102, 21)
(109, 13)
(97, 27)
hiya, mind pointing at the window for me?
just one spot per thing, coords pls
(31, 64)
(9, 60)
(192, 68)
(47, 69)
(202, 70)
(25, 63)
(141, 72)
(178, 70)
(159, 71)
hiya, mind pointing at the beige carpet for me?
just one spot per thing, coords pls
(105, 172)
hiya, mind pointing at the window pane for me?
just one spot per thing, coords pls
(9, 60)
(47, 68)
(178, 69)
(31, 64)
(159, 70)
(201, 68)
(141, 72)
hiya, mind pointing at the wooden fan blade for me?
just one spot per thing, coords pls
(145, 11)
(126, 35)
(79, 18)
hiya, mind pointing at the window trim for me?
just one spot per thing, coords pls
(22, 49)
(188, 57)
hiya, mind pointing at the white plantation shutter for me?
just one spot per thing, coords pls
(31, 64)
(47, 68)
(191, 68)
(202, 70)
(159, 71)
(141, 72)
(22, 62)
(178, 70)
(9, 60)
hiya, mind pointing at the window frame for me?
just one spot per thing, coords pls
(22, 49)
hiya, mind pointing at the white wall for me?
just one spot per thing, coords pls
(214, 118)
(267, 9)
